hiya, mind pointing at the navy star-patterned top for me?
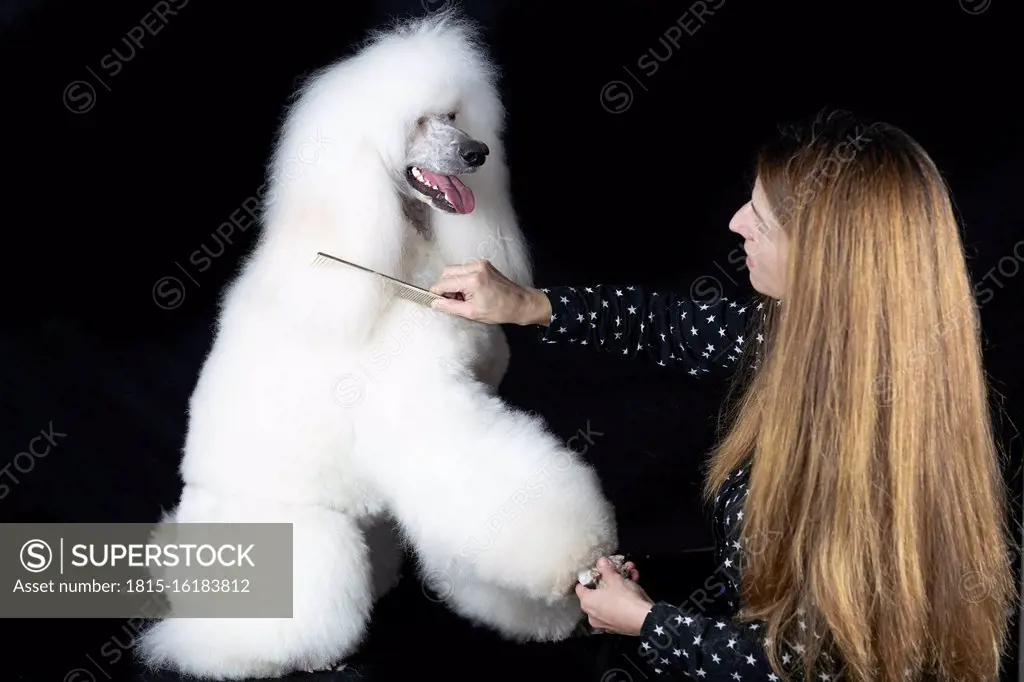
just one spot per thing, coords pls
(666, 328)
(698, 639)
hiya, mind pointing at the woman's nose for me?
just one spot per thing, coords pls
(741, 225)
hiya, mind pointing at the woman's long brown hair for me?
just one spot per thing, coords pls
(874, 464)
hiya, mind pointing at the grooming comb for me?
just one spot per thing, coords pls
(394, 286)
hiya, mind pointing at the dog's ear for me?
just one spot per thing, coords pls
(343, 203)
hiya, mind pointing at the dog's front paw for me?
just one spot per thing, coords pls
(591, 576)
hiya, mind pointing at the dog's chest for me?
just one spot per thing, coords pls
(479, 347)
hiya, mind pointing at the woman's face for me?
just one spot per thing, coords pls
(766, 244)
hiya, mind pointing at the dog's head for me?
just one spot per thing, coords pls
(432, 80)
(438, 153)
(414, 115)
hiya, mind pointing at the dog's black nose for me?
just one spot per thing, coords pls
(475, 153)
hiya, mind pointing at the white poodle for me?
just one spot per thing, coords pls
(330, 404)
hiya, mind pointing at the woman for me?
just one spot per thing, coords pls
(859, 486)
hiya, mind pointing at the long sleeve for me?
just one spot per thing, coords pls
(666, 328)
(700, 643)
(677, 643)
(704, 643)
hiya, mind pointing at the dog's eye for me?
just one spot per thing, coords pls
(422, 120)
(451, 116)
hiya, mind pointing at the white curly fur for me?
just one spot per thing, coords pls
(330, 405)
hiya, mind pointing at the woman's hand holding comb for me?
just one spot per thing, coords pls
(477, 291)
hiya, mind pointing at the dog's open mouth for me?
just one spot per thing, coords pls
(447, 192)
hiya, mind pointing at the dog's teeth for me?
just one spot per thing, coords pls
(416, 173)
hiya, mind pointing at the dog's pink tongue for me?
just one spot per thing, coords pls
(457, 194)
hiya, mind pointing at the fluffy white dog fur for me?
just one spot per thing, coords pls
(331, 405)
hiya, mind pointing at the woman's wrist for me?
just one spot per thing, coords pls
(536, 308)
(644, 610)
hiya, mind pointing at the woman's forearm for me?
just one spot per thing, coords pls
(536, 307)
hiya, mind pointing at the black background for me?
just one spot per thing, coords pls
(102, 203)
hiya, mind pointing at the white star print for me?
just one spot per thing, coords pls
(585, 321)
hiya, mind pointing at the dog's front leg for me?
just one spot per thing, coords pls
(472, 479)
